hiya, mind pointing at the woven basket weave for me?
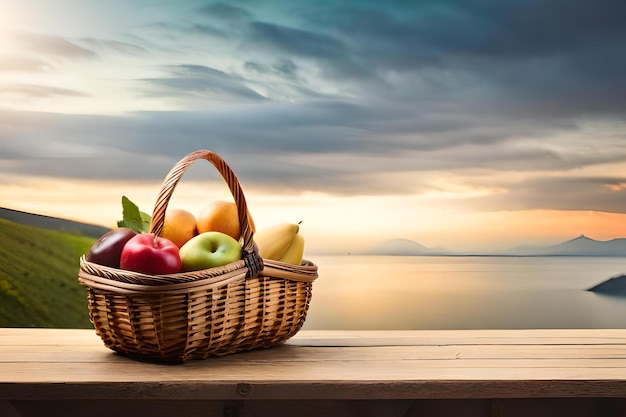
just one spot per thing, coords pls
(249, 304)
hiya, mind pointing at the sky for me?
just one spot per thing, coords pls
(472, 125)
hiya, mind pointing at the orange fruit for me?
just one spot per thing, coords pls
(179, 226)
(221, 216)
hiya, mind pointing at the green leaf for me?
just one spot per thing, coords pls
(133, 218)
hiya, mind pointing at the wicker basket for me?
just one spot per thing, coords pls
(249, 304)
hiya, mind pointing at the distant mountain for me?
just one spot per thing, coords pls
(52, 223)
(400, 247)
(580, 246)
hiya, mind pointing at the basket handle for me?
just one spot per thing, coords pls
(249, 250)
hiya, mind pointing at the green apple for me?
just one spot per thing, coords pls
(208, 250)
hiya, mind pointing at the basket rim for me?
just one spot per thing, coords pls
(133, 277)
(91, 273)
(107, 284)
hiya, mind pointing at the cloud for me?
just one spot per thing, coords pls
(223, 11)
(282, 80)
(115, 46)
(49, 45)
(331, 52)
(324, 147)
(27, 52)
(174, 30)
(561, 58)
(268, 135)
(17, 63)
(199, 80)
(558, 193)
(408, 33)
(38, 91)
(284, 68)
(507, 57)
(296, 41)
(355, 98)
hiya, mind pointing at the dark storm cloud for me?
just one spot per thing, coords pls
(37, 141)
(297, 41)
(333, 53)
(271, 146)
(146, 147)
(544, 57)
(518, 29)
(568, 57)
(560, 58)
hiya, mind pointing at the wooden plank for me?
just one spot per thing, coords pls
(578, 407)
(459, 337)
(49, 364)
(313, 371)
(321, 389)
(292, 353)
(43, 337)
(38, 337)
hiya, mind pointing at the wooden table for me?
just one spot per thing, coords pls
(530, 373)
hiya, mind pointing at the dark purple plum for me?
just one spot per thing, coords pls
(107, 250)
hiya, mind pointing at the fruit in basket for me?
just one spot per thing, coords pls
(107, 250)
(295, 251)
(281, 243)
(221, 216)
(208, 250)
(150, 254)
(178, 226)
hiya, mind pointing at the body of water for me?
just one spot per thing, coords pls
(386, 292)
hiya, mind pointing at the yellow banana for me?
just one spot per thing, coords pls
(294, 253)
(274, 241)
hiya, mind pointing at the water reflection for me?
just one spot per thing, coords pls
(378, 293)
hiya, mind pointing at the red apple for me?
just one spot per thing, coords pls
(107, 250)
(150, 254)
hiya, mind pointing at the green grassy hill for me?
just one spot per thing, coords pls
(39, 277)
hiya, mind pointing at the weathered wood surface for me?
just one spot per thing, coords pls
(486, 373)
(49, 364)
